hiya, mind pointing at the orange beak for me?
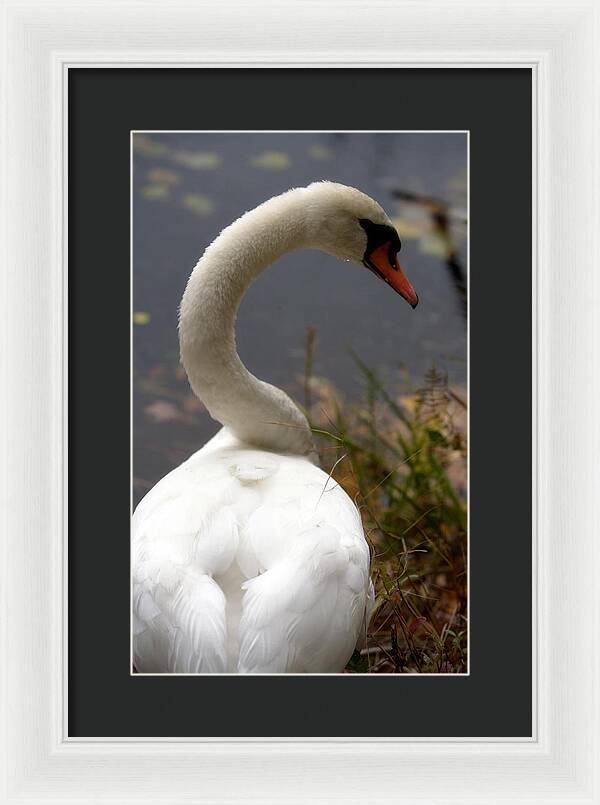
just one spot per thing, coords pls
(383, 262)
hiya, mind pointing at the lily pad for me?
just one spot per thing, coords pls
(141, 317)
(271, 160)
(198, 204)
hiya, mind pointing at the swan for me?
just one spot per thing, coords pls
(248, 558)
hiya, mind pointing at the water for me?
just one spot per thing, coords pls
(187, 187)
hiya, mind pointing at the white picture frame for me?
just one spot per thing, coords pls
(559, 42)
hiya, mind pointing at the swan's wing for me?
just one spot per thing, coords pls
(305, 610)
(182, 629)
(180, 538)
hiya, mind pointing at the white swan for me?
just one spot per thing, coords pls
(247, 558)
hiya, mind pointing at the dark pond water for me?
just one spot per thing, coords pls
(187, 187)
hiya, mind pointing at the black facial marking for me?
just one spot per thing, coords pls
(377, 235)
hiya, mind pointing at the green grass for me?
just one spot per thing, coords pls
(401, 455)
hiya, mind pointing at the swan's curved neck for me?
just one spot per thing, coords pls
(256, 412)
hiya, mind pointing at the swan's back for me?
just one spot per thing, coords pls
(247, 561)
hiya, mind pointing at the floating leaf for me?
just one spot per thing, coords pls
(160, 176)
(271, 160)
(162, 411)
(198, 204)
(155, 192)
(141, 317)
(198, 160)
(148, 147)
(320, 152)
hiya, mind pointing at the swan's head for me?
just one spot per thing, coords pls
(352, 226)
